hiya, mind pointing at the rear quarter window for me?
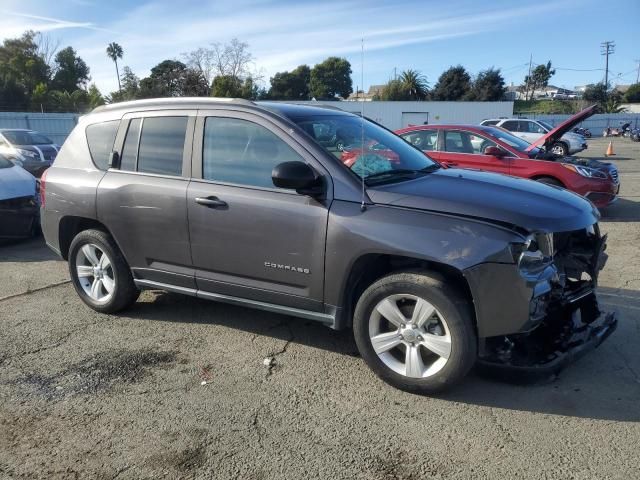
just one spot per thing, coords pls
(100, 138)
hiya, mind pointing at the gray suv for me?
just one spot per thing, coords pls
(435, 269)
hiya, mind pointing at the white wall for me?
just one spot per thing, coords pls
(390, 115)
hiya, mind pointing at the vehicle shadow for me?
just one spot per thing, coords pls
(599, 386)
(623, 210)
(26, 250)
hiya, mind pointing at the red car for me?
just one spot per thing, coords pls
(497, 150)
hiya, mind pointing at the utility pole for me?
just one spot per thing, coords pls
(526, 92)
(638, 74)
(607, 48)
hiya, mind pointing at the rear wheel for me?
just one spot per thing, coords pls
(415, 332)
(100, 273)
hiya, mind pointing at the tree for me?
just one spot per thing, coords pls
(21, 70)
(40, 97)
(394, 90)
(414, 84)
(114, 52)
(632, 94)
(95, 98)
(595, 93)
(612, 104)
(488, 86)
(454, 84)
(292, 85)
(65, 101)
(71, 72)
(219, 60)
(539, 78)
(226, 86)
(194, 84)
(331, 78)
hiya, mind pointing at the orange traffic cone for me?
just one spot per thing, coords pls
(609, 151)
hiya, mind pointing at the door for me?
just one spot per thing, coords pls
(425, 140)
(142, 201)
(465, 149)
(250, 239)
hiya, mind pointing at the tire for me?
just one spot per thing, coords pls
(403, 359)
(100, 273)
(560, 148)
(550, 181)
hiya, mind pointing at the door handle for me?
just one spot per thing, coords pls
(211, 202)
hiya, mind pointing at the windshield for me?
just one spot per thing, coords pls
(4, 163)
(381, 157)
(17, 137)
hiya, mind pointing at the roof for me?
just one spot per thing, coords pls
(281, 108)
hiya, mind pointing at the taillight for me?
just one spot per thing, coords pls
(43, 183)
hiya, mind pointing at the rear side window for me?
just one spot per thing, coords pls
(490, 122)
(423, 139)
(511, 125)
(130, 149)
(100, 138)
(162, 145)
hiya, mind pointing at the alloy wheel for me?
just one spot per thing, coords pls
(410, 336)
(95, 273)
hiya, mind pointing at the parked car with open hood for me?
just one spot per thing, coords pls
(496, 150)
(19, 212)
(31, 150)
(434, 269)
(559, 140)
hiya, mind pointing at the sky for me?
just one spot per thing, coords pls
(424, 35)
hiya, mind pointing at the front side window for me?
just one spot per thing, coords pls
(533, 127)
(422, 139)
(242, 152)
(162, 145)
(369, 150)
(100, 138)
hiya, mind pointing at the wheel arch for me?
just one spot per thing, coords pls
(370, 267)
(70, 226)
(540, 176)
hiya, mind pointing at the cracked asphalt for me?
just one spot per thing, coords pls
(178, 387)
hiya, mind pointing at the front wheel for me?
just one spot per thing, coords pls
(560, 149)
(550, 181)
(100, 273)
(415, 332)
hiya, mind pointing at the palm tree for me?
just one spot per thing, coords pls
(114, 52)
(415, 84)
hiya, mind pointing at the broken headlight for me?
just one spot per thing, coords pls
(585, 171)
(535, 253)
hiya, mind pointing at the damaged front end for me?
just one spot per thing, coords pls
(564, 319)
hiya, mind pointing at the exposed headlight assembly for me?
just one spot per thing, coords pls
(585, 171)
(535, 253)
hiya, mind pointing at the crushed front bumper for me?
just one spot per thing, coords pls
(572, 331)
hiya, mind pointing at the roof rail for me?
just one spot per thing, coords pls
(170, 101)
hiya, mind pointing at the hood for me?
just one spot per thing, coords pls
(492, 197)
(16, 182)
(553, 135)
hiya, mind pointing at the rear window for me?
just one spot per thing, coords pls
(162, 145)
(20, 137)
(100, 137)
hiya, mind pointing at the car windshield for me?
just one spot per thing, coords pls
(4, 163)
(18, 137)
(369, 150)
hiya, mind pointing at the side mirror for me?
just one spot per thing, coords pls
(297, 176)
(494, 151)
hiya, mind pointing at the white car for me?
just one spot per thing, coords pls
(532, 130)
